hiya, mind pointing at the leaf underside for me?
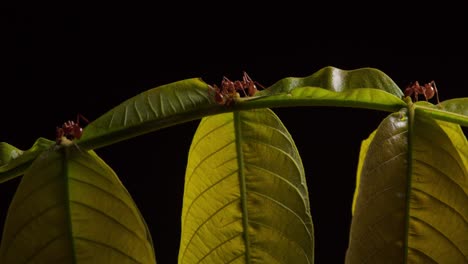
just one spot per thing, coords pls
(438, 212)
(378, 223)
(70, 207)
(245, 197)
(420, 218)
(192, 99)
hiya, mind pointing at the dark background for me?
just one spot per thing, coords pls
(57, 62)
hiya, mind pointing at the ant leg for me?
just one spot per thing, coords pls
(238, 85)
(261, 86)
(418, 89)
(436, 92)
(80, 116)
(59, 132)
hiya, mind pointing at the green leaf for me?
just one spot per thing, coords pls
(70, 207)
(438, 211)
(363, 88)
(14, 161)
(362, 156)
(411, 201)
(193, 99)
(456, 105)
(338, 80)
(378, 223)
(154, 109)
(368, 98)
(245, 197)
(453, 110)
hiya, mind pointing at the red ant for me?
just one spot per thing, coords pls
(228, 92)
(428, 90)
(70, 130)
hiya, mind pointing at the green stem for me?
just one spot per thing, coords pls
(443, 115)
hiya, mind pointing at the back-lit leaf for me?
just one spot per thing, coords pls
(438, 213)
(245, 197)
(70, 207)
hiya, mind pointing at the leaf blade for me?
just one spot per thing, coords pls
(414, 210)
(71, 207)
(438, 224)
(453, 110)
(14, 162)
(378, 223)
(192, 99)
(248, 183)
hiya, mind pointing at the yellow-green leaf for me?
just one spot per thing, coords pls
(70, 207)
(245, 197)
(456, 105)
(438, 212)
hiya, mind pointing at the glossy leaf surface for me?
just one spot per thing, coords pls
(192, 99)
(70, 207)
(245, 197)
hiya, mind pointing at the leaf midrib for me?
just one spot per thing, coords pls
(242, 183)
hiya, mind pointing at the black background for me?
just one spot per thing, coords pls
(57, 62)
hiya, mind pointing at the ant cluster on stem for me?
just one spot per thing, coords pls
(70, 130)
(428, 90)
(229, 90)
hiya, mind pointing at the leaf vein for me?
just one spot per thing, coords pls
(208, 133)
(109, 247)
(205, 159)
(296, 215)
(282, 235)
(218, 246)
(126, 205)
(441, 234)
(29, 221)
(441, 173)
(31, 258)
(125, 115)
(98, 211)
(135, 106)
(182, 105)
(453, 209)
(203, 192)
(383, 163)
(204, 222)
(150, 104)
(161, 105)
